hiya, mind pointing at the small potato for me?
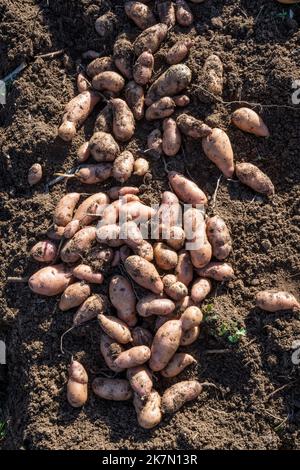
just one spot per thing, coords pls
(184, 269)
(181, 100)
(55, 232)
(123, 56)
(109, 235)
(154, 305)
(249, 121)
(134, 95)
(200, 289)
(213, 75)
(148, 412)
(173, 288)
(217, 148)
(141, 167)
(191, 317)
(176, 396)
(140, 14)
(110, 350)
(106, 24)
(117, 191)
(45, 252)
(177, 238)
(82, 83)
(144, 273)
(51, 280)
(77, 388)
(123, 120)
(141, 337)
(74, 295)
(115, 328)
(99, 65)
(94, 305)
(93, 174)
(171, 141)
(183, 304)
(104, 120)
(145, 250)
(123, 166)
(75, 248)
(166, 12)
(83, 153)
(143, 68)
(178, 52)
(63, 213)
(219, 237)
(112, 389)
(192, 127)
(276, 300)
(108, 81)
(103, 254)
(187, 191)
(122, 297)
(150, 39)
(140, 379)
(218, 271)
(103, 147)
(154, 141)
(35, 174)
(253, 177)
(133, 357)
(88, 206)
(165, 257)
(177, 364)
(172, 82)
(160, 109)
(190, 336)
(165, 343)
(184, 16)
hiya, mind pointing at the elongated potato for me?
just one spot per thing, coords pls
(177, 238)
(190, 336)
(75, 248)
(140, 379)
(115, 328)
(276, 300)
(35, 174)
(122, 297)
(165, 257)
(141, 167)
(123, 166)
(186, 189)
(154, 305)
(200, 289)
(88, 206)
(144, 273)
(77, 387)
(110, 350)
(140, 14)
(154, 141)
(172, 82)
(93, 174)
(148, 412)
(184, 269)
(134, 95)
(123, 120)
(177, 364)
(143, 68)
(184, 16)
(213, 75)
(94, 305)
(133, 357)
(145, 250)
(108, 81)
(200, 249)
(103, 147)
(191, 317)
(173, 288)
(249, 121)
(165, 343)
(99, 65)
(254, 178)
(74, 295)
(51, 280)
(150, 39)
(109, 235)
(71, 228)
(76, 112)
(179, 394)
(123, 56)
(63, 212)
(217, 148)
(217, 270)
(192, 127)
(83, 153)
(160, 109)
(131, 234)
(104, 120)
(141, 337)
(82, 83)
(166, 12)
(178, 52)
(45, 252)
(117, 191)
(112, 389)
(219, 237)
(169, 213)
(171, 141)
(106, 24)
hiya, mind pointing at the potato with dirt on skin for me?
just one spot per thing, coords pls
(173, 288)
(153, 304)
(115, 328)
(148, 412)
(64, 210)
(82, 83)
(123, 120)
(252, 176)
(123, 56)
(145, 250)
(173, 81)
(217, 270)
(135, 98)
(143, 68)
(191, 317)
(176, 238)
(160, 109)
(150, 39)
(108, 81)
(99, 65)
(110, 350)
(184, 270)
(183, 304)
(275, 300)
(109, 235)
(133, 357)
(94, 305)
(177, 364)
(140, 14)
(144, 273)
(103, 147)
(88, 206)
(93, 174)
(82, 241)
(51, 280)
(55, 232)
(85, 273)
(186, 190)
(166, 12)
(106, 24)
(200, 289)
(141, 337)
(181, 100)
(44, 252)
(123, 166)
(104, 120)
(190, 336)
(178, 52)
(165, 257)
(217, 148)
(154, 141)
(219, 237)
(192, 127)
(74, 295)
(249, 121)
(165, 344)
(176, 396)
(140, 379)
(213, 75)
(184, 16)
(83, 153)
(77, 387)
(112, 389)
(171, 141)
(35, 174)
(141, 167)
(122, 297)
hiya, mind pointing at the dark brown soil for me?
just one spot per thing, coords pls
(259, 45)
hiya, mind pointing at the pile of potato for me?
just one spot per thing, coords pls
(145, 337)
